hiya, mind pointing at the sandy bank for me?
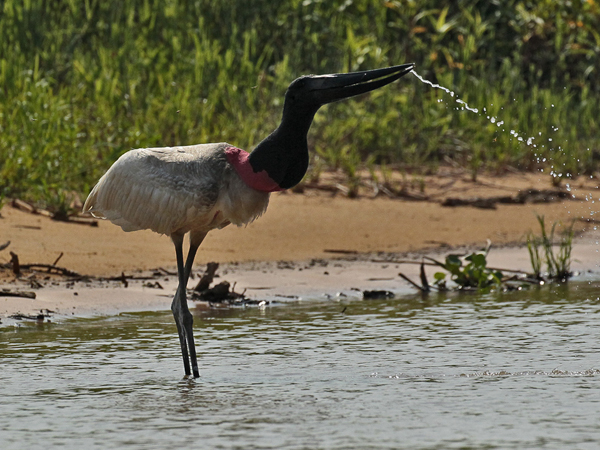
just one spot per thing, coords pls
(297, 228)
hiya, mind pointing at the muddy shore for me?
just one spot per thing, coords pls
(310, 245)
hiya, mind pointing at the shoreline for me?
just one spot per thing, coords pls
(335, 279)
(288, 250)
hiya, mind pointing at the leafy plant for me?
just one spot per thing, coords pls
(470, 272)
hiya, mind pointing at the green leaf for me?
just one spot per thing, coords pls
(439, 276)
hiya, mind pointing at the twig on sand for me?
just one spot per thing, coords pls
(126, 278)
(28, 207)
(51, 268)
(58, 259)
(524, 196)
(21, 294)
(3, 246)
(167, 272)
(46, 313)
(17, 267)
(340, 251)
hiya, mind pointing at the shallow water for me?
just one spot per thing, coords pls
(517, 370)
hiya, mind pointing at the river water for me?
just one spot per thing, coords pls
(513, 371)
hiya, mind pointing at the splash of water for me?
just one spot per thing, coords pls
(529, 141)
(448, 91)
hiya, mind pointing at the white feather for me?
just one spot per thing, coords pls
(175, 190)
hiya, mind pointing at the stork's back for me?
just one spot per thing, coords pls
(174, 189)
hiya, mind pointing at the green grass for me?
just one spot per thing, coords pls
(556, 256)
(81, 82)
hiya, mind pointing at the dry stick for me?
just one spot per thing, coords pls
(424, 282)
(58, 259)
(19, 316)
(413, 283)
(404, 261)
(207, 278)
(51, 267)
(7, 293)
(124, 278)
(80, 220)
(167, 272)
(14, 259)
(340, 251)
(28, 207)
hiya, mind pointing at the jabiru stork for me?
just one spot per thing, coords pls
(198, 188)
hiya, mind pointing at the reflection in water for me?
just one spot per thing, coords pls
(511, 370)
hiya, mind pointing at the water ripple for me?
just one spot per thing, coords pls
(505, 371)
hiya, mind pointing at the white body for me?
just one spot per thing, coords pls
(174, 190)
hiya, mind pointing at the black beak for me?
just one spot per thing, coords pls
(334, 87)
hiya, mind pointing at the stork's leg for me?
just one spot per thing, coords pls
(179, 312)
(183, 317)
(195, 241)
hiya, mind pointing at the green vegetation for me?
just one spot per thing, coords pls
(471, 272)
(542, 249)
(475, 274)
(81, 82)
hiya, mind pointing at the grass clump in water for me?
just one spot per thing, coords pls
(542, 250)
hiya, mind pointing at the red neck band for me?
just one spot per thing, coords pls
(261, 181)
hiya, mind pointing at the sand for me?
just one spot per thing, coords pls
(309, 231)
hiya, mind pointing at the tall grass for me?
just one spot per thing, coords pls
(81, 82)
(558, 264)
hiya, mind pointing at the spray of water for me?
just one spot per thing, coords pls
(529, 141)
(448, 91)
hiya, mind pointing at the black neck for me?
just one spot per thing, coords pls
(284, 153)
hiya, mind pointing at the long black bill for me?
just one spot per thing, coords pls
(334, 87)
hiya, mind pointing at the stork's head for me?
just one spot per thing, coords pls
(283, 155)
(310, 92)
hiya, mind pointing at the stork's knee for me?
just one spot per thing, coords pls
(187, 319)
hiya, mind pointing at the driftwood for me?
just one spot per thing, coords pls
(377, 295)
(222, 292)
(14, 260)
(71, 218)
(340, 251)
(38, 317)
(525, 196)
(51, 268)
(21, 294)
(207, 277)
(398, 193)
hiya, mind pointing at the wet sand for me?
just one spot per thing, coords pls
(293, 251)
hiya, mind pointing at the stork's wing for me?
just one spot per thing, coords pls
(161, 189)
